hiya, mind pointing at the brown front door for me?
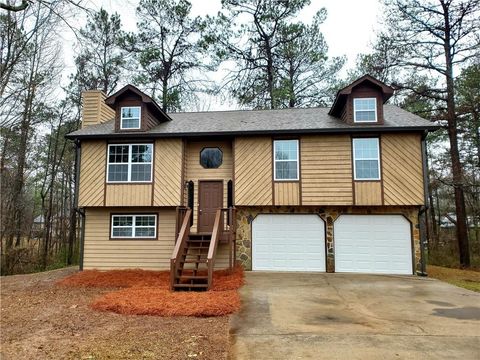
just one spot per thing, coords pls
(210, 198)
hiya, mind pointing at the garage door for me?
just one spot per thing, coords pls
(373, 244)
(288, 243)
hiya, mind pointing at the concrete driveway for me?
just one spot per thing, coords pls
(347, 316)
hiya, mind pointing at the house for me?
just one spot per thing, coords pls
(335, 189)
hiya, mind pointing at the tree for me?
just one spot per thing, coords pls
(434, 37)
(253, 45)
(101, 59)
(468, 100)
(29, 85)
(168, 50)
(306, 76)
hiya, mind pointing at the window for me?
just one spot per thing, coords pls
(130, 163)
(211, 158)
(286, 160)
(365, 110)
(366, 159)
(134, 226)
(130, 117)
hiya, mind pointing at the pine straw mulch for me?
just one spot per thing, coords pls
(148, 293)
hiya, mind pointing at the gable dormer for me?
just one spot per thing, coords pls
(361, 102)
(135, 111)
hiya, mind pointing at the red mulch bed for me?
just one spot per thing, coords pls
(148, 293)
(161, 302)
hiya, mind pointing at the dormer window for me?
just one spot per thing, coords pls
(365, 110)
(130, 117)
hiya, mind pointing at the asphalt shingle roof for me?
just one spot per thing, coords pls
(312, 120)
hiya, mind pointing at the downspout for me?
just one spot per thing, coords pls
(80, 211)
(423, 210)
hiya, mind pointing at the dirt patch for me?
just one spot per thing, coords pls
(468, 279)
(42, 321)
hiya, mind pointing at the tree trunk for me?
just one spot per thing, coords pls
(270, 76)
(433, 220)
(457, 171)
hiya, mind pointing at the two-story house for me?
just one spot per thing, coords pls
(321, 189)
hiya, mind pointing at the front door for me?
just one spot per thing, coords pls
(210, 198)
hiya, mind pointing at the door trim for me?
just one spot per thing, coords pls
(199, 197)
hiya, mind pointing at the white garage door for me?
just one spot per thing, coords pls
(290, 242)
(373, 244)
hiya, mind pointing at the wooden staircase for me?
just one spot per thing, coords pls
(192, 271)
(193, 259)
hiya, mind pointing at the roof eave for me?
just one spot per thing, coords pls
(259, 132)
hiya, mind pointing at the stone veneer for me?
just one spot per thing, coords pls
(245, 216)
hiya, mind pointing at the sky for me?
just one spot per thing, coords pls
(348, 30)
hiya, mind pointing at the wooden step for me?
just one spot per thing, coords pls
(194, 261)
(193, 277)
(186, 286)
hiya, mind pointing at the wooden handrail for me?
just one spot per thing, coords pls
(180, 245)
(217, 228)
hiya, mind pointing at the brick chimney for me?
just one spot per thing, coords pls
(94, 109)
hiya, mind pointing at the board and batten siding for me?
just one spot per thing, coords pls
(368, 193)
(168, 172)
(287, 193)
(326, 170)
(103, 254)
(195, 172)
(253, 171)
(128, 195)
(92, 173)
(402, 169)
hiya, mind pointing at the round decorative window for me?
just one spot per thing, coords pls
(211, 158)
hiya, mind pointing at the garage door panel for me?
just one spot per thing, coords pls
(288, 242)
(373, 244)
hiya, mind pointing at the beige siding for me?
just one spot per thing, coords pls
(195, 171)
(102, 253)
(94, 109)
(253, 171)
(368, 193)
(402, 169)
(92, 173)
(326, 170)
(168, 172)
(128, 195)
(222, 258)
(287, 193)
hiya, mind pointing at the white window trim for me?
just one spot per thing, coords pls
(275, 162)
(129, 118)
(355, 111)
(133, 227)
(129, 164)
(355, 162)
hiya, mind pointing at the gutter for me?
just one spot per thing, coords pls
(137, 135)
(422, 213)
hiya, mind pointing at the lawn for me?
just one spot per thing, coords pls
(43, 320)
(468, 279)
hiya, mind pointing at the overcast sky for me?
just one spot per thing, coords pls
(348, 30)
